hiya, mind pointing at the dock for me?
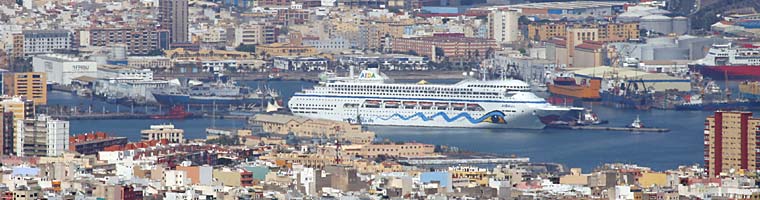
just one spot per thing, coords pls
(607, 128)
(464, 159)
(102, 116)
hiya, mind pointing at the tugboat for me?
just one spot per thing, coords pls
(176, 112)
(636, 123)
(588, 117)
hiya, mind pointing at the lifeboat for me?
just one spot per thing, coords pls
(410, 103)
(426, 104)
(458, 105)
(442, 105)
(475, 107)
(391, 103)
(372, 102)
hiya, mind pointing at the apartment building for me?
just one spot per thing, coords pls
(138, 40)
(41, 136)
(731, 142)
(31, 85)
(45, 41)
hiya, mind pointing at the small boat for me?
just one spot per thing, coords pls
(410, 103)
(442, 105)
(458, 105)
(636, 123)
(176, 112)
(426, 104)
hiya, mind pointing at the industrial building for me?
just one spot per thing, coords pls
(61, 69)
(668, 48)
(658, 82)
(586, 8)
(655, 20)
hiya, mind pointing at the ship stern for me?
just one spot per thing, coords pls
(557, 115)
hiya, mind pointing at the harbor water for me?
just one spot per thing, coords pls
(576, 148)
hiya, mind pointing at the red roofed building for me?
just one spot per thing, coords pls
(91, 143)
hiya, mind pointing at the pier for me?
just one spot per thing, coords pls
(606, 128)
(465, 159)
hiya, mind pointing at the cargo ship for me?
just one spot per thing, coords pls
(223, 91)
(728, 61)
(628, 94)
(587, 89)
(750, 89)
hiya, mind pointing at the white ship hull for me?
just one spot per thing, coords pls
(520, 115)
(467, 104)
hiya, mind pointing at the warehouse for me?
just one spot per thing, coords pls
(657, 81)
(61, 69)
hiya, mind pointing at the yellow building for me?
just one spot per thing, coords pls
(576, 177)
(19, 106)
(313, 128)
(474, 175)
(268, 51)
(730, 142)
(32, 85)
(405, 150)
(205, 54)
(610, 32)
(650, 179)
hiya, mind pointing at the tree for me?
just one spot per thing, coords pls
(439, 52)
(224, 140)
(250, 48)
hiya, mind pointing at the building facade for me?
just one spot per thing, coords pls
(7, 137)
(503, 26)
(139, 41)
(605, 32)
(173, 15)
(61, 69)
(731, 142)
(91, 143)
(254, 33)
(31, 85)
(41, 136)
(45, 41)
(453, 48)
(167, 131)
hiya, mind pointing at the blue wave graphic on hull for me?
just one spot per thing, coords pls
(493, 116)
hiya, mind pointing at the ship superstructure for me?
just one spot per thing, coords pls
(374, 99)
(726, 60)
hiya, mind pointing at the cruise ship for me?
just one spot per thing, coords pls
(372, 98)
(729, 61)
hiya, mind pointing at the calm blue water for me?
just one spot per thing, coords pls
(586, 149)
